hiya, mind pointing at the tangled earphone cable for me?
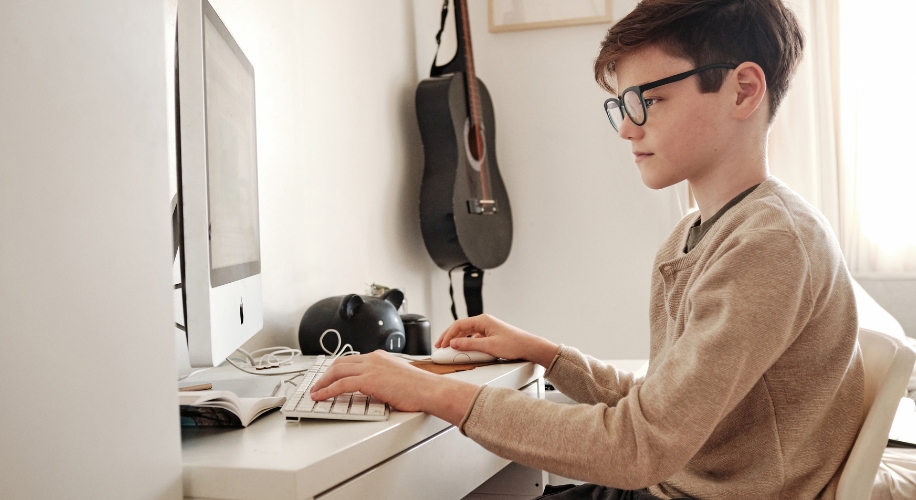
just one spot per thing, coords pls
(275, 357)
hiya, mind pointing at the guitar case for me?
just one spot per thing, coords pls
(459, 234)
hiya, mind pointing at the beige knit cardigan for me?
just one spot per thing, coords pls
(755, 382)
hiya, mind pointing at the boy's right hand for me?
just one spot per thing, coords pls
(487, 334)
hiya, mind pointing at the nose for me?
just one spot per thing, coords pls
(629, 130)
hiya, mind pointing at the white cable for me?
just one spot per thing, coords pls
(294, 377)
(271, 359)
(264, 372)
(250, 358)
(342, 350)
(268, 362)
(195, 372)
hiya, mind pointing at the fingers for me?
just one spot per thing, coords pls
(351, 374)
(450, 333)
(349, 384)
(470, 343)
(339, 370)
(463, 328)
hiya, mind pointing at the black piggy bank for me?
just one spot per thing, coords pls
(366, 323)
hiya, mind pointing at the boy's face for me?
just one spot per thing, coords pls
(686, 132)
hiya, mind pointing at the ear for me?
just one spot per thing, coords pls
(750, 87)
(348, 305)
(395, 296)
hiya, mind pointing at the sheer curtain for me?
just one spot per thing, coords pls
(802, 148)
(845, 132)
(878, 135)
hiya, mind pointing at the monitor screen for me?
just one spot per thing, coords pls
(231, 161)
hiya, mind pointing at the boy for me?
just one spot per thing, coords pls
(755, 382)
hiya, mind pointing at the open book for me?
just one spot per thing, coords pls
(223, 408)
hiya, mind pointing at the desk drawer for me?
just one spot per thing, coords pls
(447, 465)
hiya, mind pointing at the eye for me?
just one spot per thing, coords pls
(650, 102)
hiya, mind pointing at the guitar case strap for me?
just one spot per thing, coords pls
(473, 290)
(438, 70)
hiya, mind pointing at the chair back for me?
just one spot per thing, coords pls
(888, 365)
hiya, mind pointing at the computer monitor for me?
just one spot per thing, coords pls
(217, 230)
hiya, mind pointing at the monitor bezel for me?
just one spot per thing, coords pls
(218, 318)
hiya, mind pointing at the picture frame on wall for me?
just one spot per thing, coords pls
(515, 15)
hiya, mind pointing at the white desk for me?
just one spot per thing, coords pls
(411, 455)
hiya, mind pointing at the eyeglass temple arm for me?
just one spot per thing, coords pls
(681, 76)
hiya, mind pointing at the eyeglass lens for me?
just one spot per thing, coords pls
(635, 108)
(614, 113)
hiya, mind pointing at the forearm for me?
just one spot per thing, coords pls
(449, 398)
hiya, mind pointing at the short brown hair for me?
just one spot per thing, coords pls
(710, 31)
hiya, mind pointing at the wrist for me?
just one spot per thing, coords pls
(450, 399)
(544, 351)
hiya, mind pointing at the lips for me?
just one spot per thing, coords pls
(641, 155)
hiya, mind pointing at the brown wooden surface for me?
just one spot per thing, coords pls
(443, 369)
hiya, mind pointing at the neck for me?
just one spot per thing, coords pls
(733, 173)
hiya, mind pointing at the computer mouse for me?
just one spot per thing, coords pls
(449, 356)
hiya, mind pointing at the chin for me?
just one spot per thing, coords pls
(653, 180)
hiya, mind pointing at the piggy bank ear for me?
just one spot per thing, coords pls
(395, 297)
(348, 305)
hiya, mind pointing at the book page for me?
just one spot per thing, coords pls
(247, 409)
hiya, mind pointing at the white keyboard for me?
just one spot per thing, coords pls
(349, 406)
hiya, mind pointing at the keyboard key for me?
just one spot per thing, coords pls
(323, 406)
(305, 405)
(292, 402)
(376, 407)
(357, 408)
(341, 405)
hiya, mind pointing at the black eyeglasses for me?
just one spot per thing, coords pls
(632, 103)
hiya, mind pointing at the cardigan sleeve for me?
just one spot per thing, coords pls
(587, 380)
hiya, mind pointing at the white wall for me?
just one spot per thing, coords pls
(586, 228)
(339, 156)
(87, 380)
(896, 294)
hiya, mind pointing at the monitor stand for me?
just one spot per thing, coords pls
(243, 385)
(249, 387)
